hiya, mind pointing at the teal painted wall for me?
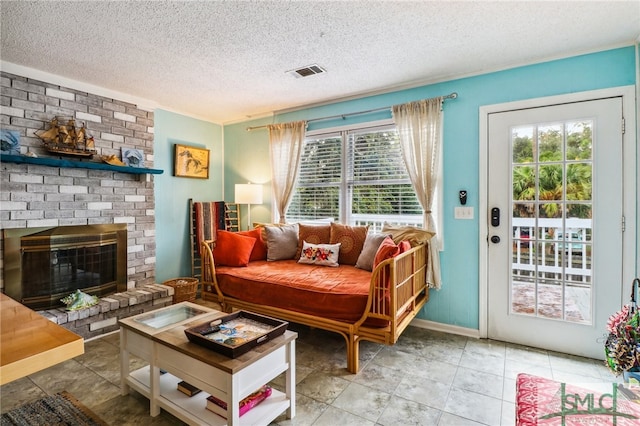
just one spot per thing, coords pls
(246, 161)
(457, 303)
(173, 256)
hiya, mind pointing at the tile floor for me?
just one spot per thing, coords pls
(427, 378)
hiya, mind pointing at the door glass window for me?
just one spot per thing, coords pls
(551, 214)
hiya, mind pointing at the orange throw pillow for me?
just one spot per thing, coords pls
(259, 251)
(387, 250)
(232, 249)
(351, 239)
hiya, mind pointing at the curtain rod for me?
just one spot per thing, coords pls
(449, 96)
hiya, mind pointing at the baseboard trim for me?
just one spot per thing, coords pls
(446, 328)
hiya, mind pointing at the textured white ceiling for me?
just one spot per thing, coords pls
(226, 61)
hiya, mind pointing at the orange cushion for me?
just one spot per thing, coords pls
(312, 234)
(389, 249)
(232, 249)
(351, 239)
(335, 293)
(404, 246)
(259, 251)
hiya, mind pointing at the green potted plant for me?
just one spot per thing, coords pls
(622, 347)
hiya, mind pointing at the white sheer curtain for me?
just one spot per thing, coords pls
(285, 147)
(419, 128)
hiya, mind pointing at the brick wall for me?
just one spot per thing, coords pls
(35, 196)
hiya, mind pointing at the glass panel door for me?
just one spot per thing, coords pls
(555, 244)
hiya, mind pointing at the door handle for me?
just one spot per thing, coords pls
(495, 217)
(495, 239)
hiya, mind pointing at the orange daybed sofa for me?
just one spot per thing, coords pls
(359, 304)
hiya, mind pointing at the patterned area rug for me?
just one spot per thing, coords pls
(541, 401)
(60, 409)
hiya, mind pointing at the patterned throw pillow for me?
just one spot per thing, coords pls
(313, 234)
(320, 254)
(351, 239)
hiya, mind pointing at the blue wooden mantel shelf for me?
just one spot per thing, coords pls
(58, 162)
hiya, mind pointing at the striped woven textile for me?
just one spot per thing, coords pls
(209, 218)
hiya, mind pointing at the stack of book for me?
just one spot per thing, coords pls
(220, 407)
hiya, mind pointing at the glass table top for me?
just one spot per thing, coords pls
(169, 316)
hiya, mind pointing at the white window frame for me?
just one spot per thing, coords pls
(344, 206)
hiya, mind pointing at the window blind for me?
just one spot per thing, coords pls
(355, 176)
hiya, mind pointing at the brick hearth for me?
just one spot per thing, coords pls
(103, 317)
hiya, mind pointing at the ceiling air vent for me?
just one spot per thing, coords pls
(307, 71)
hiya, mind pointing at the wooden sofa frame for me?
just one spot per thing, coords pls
(407, 292)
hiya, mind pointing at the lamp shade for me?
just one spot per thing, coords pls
(248, 194)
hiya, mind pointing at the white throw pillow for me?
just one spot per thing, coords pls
(320, 254)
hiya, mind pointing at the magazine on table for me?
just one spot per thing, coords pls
(219, 407)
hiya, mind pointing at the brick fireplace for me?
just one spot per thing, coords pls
(42, 196)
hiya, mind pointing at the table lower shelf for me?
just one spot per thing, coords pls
(193, 409)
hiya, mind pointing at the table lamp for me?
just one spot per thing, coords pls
(248, 194)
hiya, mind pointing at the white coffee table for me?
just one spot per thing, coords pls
(158, 338)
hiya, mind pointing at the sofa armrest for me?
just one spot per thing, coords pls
(396, 285)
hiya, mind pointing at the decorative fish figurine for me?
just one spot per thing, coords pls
(79, 300)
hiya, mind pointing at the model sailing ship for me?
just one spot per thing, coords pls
(67, 139)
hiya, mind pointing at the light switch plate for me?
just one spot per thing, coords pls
(463, 213)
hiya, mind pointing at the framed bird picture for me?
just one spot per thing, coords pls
(191, 162)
